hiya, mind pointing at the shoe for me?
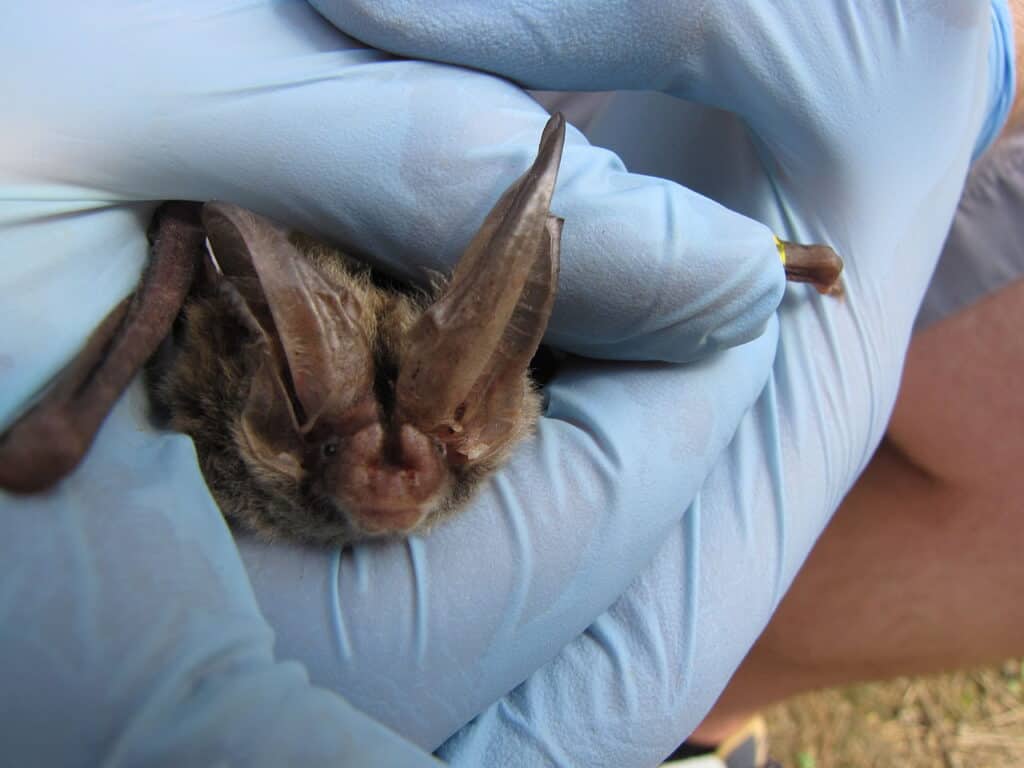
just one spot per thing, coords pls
(746, 748)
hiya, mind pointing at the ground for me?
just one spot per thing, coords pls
(969, 719)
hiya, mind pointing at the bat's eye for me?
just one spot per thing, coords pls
(329, 448)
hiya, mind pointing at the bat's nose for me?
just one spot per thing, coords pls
(391, 486)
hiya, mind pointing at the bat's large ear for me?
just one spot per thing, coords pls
(462, 372)
(317, 352)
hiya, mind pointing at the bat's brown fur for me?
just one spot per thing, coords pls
(203, 384)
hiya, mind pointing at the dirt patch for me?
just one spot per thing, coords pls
(969, 719)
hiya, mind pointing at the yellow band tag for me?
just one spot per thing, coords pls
(781, 248)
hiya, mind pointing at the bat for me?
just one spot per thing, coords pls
(326, 405)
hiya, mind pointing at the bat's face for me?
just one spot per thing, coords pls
(377, 410)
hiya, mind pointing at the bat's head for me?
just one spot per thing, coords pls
(379, 420)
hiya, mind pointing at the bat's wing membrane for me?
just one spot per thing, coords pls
(50, 440)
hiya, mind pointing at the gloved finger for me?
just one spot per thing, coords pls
(800, 75)
(270, 107)
(424, 634)
(127, 618)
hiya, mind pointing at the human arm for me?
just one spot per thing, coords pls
(918, 572)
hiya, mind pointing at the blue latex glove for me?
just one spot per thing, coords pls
(125, 613)
(860, 119)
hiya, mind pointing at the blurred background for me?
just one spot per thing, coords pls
(971, 719)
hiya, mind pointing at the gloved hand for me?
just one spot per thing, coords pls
(860, 121)
(125, 614)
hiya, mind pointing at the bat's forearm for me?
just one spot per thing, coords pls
(50, 440)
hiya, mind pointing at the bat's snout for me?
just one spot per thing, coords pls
(391, 483)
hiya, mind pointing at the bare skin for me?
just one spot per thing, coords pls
(1017, 9)
(920, 569)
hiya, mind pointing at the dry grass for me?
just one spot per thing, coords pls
(963, 720)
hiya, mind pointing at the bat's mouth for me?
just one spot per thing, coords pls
(390, 486)
(380, 521)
